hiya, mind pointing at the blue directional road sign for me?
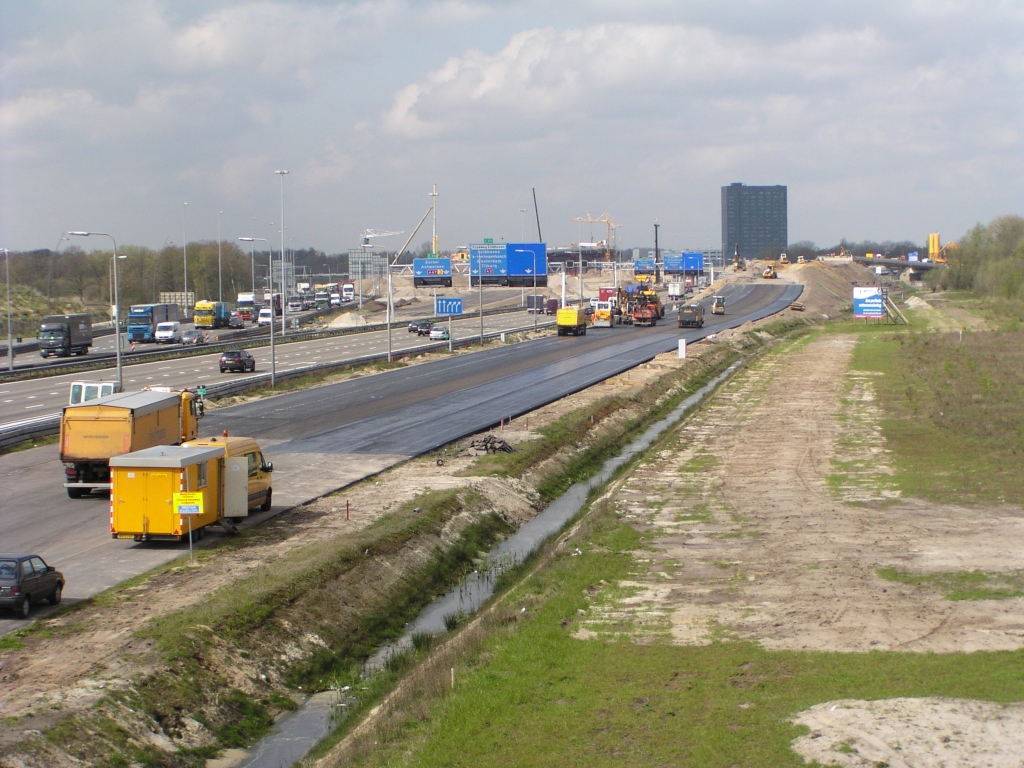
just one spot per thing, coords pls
(672, 262)
(693, 262)
(643, 265)
(489, 260)
(447, 306)
(432, 267)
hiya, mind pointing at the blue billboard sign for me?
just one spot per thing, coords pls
(912, 256)
(448, 306)
(868, 302)
(672, 263)
(527, 259)
(693, 262)
(643, 266)
(432, 267)
(488, 260)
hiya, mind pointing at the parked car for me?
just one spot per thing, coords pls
(169, 333)
(237, 360)
(236, 321)
(193, 336)
(439, 333)
(420, 327)
(26, 579)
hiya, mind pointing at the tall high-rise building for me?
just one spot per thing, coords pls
(754, 218)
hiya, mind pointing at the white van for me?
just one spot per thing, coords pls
(266, 316)
(169, 333)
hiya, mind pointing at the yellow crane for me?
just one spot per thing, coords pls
(609, 222)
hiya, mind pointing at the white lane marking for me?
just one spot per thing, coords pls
(38, 405)
(203, 377)
(57, 393)
(31, 397)
(8, 401)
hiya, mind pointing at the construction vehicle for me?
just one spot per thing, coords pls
(645, 315)
(648, 296)
(718, 305)
(691, 316)
(94, 431)
(738, 262)
(783, 259)
(603, 315)
(65, 335)
(769, 272)
(571, 321)
(801, 260)
(211, 314)
(174, 492)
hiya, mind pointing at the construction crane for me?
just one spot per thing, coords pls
(609, 223)
(368, 234)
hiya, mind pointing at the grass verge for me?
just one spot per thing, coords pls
(963, 585)
(954, 412)
(532, 694)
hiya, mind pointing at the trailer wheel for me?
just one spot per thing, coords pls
(75, 493)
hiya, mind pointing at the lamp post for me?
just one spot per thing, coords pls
(284, 307)
(49, 277)
(117, 314)
(220, 269)
(184, 252)
(270, 279)
(10, 330)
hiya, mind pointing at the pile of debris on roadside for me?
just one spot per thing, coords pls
(481, 446)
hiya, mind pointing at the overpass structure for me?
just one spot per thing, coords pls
(900, 265)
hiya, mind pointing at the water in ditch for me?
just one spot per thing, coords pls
(297, 733)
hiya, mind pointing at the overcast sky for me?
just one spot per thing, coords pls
(886, 120)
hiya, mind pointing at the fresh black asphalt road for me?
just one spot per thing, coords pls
(398, 413)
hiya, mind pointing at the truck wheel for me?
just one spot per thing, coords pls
(75, 493)
(265, 506)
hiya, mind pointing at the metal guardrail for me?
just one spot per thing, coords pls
(252, 337)
(13, 433)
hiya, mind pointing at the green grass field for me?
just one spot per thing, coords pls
(535, 696)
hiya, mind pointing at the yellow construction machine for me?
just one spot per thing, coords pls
(769, 272)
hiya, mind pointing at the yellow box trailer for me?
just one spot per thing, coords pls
(144, 484)
(92, 432)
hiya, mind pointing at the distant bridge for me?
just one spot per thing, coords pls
(898, 264)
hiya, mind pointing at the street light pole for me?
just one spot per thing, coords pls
(270, 279)
(220, 269)
(117, 313)
(284, 303)
(10, 330)
(184, 253)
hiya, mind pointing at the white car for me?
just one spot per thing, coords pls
(169, 333)
(439, 333)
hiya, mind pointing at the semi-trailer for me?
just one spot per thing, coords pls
(65, 335)
(246, 306)
(94, 431)
(212, 314)
(144, 318)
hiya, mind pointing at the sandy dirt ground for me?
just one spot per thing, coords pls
(770, 514)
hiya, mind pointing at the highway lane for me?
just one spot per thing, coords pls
(39, 397)
(323, 438)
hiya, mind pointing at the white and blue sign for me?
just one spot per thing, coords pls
(432, 267)
(868, 302)
(448, 306)
(488, 260)
(642, 266)
(693, 262)
(527, 259)
(912, 256)
(672, 262)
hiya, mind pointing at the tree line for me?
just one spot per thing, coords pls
(989, 260)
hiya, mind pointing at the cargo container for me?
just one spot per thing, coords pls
(571, 321)
(212, 314)
(676, 290)
(144, 318)
(65, 335)
(93, 432)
